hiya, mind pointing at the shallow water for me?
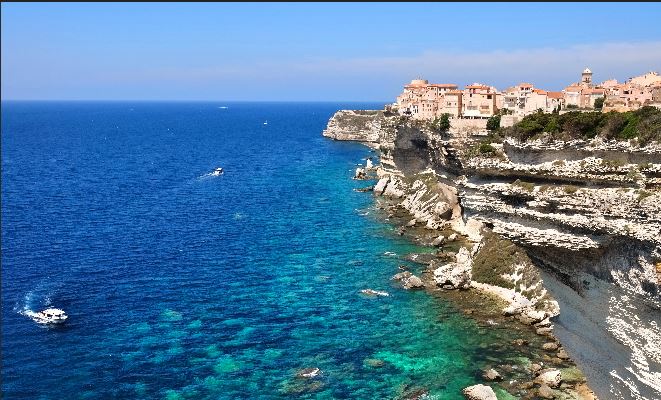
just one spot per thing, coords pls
(183, 285)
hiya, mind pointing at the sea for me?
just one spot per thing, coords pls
(182, 284)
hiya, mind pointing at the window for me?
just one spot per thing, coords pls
(489, 97)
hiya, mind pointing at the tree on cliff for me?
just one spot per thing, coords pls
(441, 124)
(493, 123)
(599, 103)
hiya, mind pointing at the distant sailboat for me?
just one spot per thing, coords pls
(266, 122)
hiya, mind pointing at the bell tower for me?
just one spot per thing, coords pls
(586, 77)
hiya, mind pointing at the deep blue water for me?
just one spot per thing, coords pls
(181, 285)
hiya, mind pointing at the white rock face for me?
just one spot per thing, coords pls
(551, 377)
(362, 126)
(614, 338)
(457, 274)
(381, 186)
(590, 215)
(479, 392)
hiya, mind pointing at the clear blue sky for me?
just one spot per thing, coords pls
(314, 51)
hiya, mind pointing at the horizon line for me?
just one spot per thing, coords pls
(196, 101)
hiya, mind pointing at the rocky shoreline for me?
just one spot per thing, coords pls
(507, 230)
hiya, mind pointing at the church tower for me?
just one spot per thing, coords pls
(586, 77)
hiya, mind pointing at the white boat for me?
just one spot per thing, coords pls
(266, 122)
(218, 171)
(49, 316)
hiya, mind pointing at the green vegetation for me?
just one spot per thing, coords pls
(442, 123)
(570, 189)
(612, 163)
(486, 148)
(528, 186)
(643, 194)
(643, 124)
(497, 257)
(599, 103)
(493, 123)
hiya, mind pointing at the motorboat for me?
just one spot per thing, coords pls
(218, 171)
(266, 122)
(49, 316)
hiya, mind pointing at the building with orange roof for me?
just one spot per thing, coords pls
(636, 92)
(479, 101)
(422, 100)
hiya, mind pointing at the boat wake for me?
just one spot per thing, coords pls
(37, 300)
(216, 172)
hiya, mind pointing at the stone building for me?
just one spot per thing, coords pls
(479, 101)
(422, 100)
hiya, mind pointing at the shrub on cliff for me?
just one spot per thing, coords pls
(442, 123)
(493, 123)
(643, 125)
(599, 103)
(496, 258)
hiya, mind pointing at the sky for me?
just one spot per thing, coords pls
(313, 51)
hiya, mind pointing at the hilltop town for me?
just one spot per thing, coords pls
(423, 100)
(559, 209)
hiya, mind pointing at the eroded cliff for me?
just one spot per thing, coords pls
(569, 233)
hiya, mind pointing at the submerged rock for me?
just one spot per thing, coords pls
(374, 362)
(408, 280)
(492, 375)
(479, 392)
(414, 394)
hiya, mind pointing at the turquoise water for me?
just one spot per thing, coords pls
(181, 285)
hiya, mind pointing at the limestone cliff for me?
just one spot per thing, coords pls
(574, 225)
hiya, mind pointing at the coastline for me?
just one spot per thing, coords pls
(538, 351)
(554, 238)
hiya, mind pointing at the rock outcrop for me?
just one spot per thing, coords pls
(479, 392)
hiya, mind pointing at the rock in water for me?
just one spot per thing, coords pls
(455, 275)
(479, 392)
(562, 354)
(550, 346)
(551, 377)
(492, 375)
(408, 280)
(438, 241)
